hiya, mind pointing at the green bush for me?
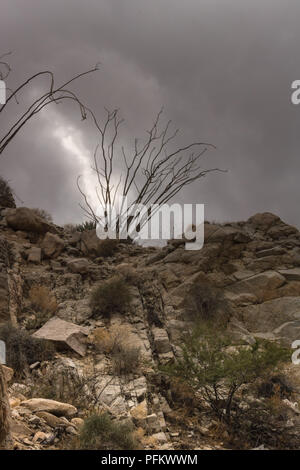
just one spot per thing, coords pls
(110, 297)
(125, 359)
(216, 369)
(100, 432)
(22, 349)
(205, 302)
(107, 247)
(70, 228)
(6, 194)
(87, 225)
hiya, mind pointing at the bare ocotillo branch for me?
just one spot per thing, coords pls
(154, 173)
(54, 94)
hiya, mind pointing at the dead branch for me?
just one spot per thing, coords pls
(54, 94)
(154, 173)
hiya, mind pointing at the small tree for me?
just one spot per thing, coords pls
(217, 370)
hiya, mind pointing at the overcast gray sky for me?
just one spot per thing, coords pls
(222, 69)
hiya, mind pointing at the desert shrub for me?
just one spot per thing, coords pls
(113, 295)
(125, 359)
(22, 349)
(129, 273)
(100, 432)
(87, 225)
(206, 302)
(70, 228)
(43, 303)
(274, 386)
(216, 369)
(103, 341)
(6, 194)
(116, 344)
(182, 393)
(43, 214)
(263, 423)
(107, 247)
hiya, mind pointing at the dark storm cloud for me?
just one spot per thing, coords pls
(222, 69)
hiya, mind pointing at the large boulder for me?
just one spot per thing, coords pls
(64, 334)
(271, 315)
(90, 243)
(50, 406)
(27, 220)
(79, 265)
(52, 245)
(261, 285)
(216, 233)
(263, 221)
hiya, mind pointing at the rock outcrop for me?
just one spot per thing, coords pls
(255, 265)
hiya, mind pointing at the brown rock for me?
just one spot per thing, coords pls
(8, 373)
(291, 274)
(34, 255)
(20, 429)
(270, 315)
(259, 285)
(90, 243)
(281, 231)
(79, 265)
(263, 221)
(52, 420)
(51, 406)
(52, 245)
(77, 422)
(140, 412)
(40, 436)
(27, 220)
(161, 340)
(291, 289)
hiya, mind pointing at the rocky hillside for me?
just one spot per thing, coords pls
(48, 275)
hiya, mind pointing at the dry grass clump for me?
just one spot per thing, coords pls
(115, 343)
(107, 247)
(43, 303)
